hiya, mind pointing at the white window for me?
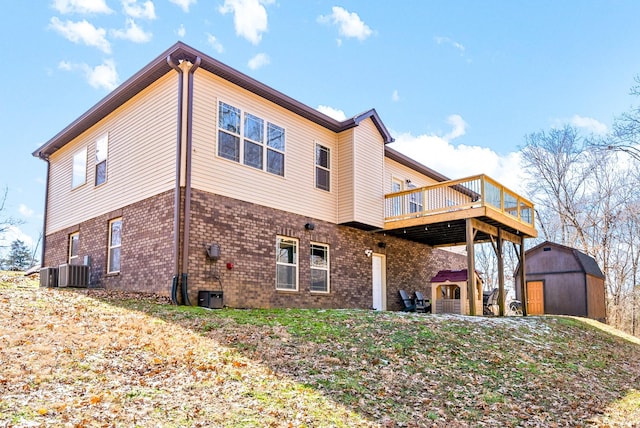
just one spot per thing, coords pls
(396, 186)
(102, 147)
(256, 150)
(319, 267)
(323, 167)
(415, 200)
(286, 263)
(79, 176)
(115, 243)
(74, 242)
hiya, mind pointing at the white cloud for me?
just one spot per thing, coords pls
(145, 10)
(459, 127)
(132, 33)
(395, 96)
(445, 40)
(184, 4)
(211, 39)
(25, 211)
(460, 161)
(82, 32)
(181, 32)
(81, 6)
(14, 233)
(260, 60)
(249, 17)
(332, 112)
(102, 76)
(350, 24)
(589, 124)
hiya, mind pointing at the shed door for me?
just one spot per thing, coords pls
(379, 288)
(535, 297)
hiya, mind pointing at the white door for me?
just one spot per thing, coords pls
(379, 287)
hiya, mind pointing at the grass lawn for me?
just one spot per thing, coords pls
(85, 358)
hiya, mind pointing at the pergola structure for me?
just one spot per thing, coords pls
(464, 212)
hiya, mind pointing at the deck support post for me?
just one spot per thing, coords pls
(499, 246)
(523, 280)
(471, 269)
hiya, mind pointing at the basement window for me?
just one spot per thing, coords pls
(286, 263)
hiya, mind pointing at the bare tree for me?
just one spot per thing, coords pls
(558, 169)
(6, 221)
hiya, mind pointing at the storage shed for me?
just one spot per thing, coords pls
(449, 293)
(561, 280)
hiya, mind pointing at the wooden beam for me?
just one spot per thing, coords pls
(523, 282)
(471, 269)
(499, 254)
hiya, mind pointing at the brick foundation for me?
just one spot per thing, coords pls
(246, 234)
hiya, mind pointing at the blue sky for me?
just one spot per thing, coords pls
(458, 83)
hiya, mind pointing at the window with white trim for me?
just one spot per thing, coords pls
(319, 267)
(415, 200)
(102, 147)
(286, 263)
(74, 243)
(323, 167)
(115, 244)
(79, 173)
(250, 139)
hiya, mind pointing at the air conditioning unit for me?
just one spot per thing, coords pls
(73, 275)
(210, 299)
(49, 277)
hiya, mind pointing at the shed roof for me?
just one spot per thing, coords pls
(182, 52)
(588, 263)
(452, 276)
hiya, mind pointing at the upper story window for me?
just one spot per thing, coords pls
(102, 147)
(79, 174)
(323, 167)
(250, 139)
(115, 243)
(286, 263)
(74, 243)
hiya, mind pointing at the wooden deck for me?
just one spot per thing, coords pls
(437, 214)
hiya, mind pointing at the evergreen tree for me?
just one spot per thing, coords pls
(19, 257)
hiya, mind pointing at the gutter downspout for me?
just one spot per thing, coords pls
(187, 195)
(176, 200)
(46, 207)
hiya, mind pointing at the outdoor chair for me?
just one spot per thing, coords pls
(407, 303)
(422, 304)
(489, 302)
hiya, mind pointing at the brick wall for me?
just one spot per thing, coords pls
(146, 253)
(247, 234)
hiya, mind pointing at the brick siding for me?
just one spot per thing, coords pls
(246, 234)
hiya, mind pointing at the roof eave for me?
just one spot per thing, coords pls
(159, 66)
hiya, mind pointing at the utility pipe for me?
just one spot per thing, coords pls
(176, 200)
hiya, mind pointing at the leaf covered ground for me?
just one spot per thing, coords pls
(89, 358)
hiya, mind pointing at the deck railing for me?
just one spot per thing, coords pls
(454, 195)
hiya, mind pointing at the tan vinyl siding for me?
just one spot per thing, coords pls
(346, 177)
(395, 170)
(368, 186)
(295, 192)
(140, 162)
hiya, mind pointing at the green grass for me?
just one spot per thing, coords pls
(296, 367)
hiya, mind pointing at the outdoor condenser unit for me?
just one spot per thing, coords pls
(210, 299)
(73, 275)
(49, 277)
